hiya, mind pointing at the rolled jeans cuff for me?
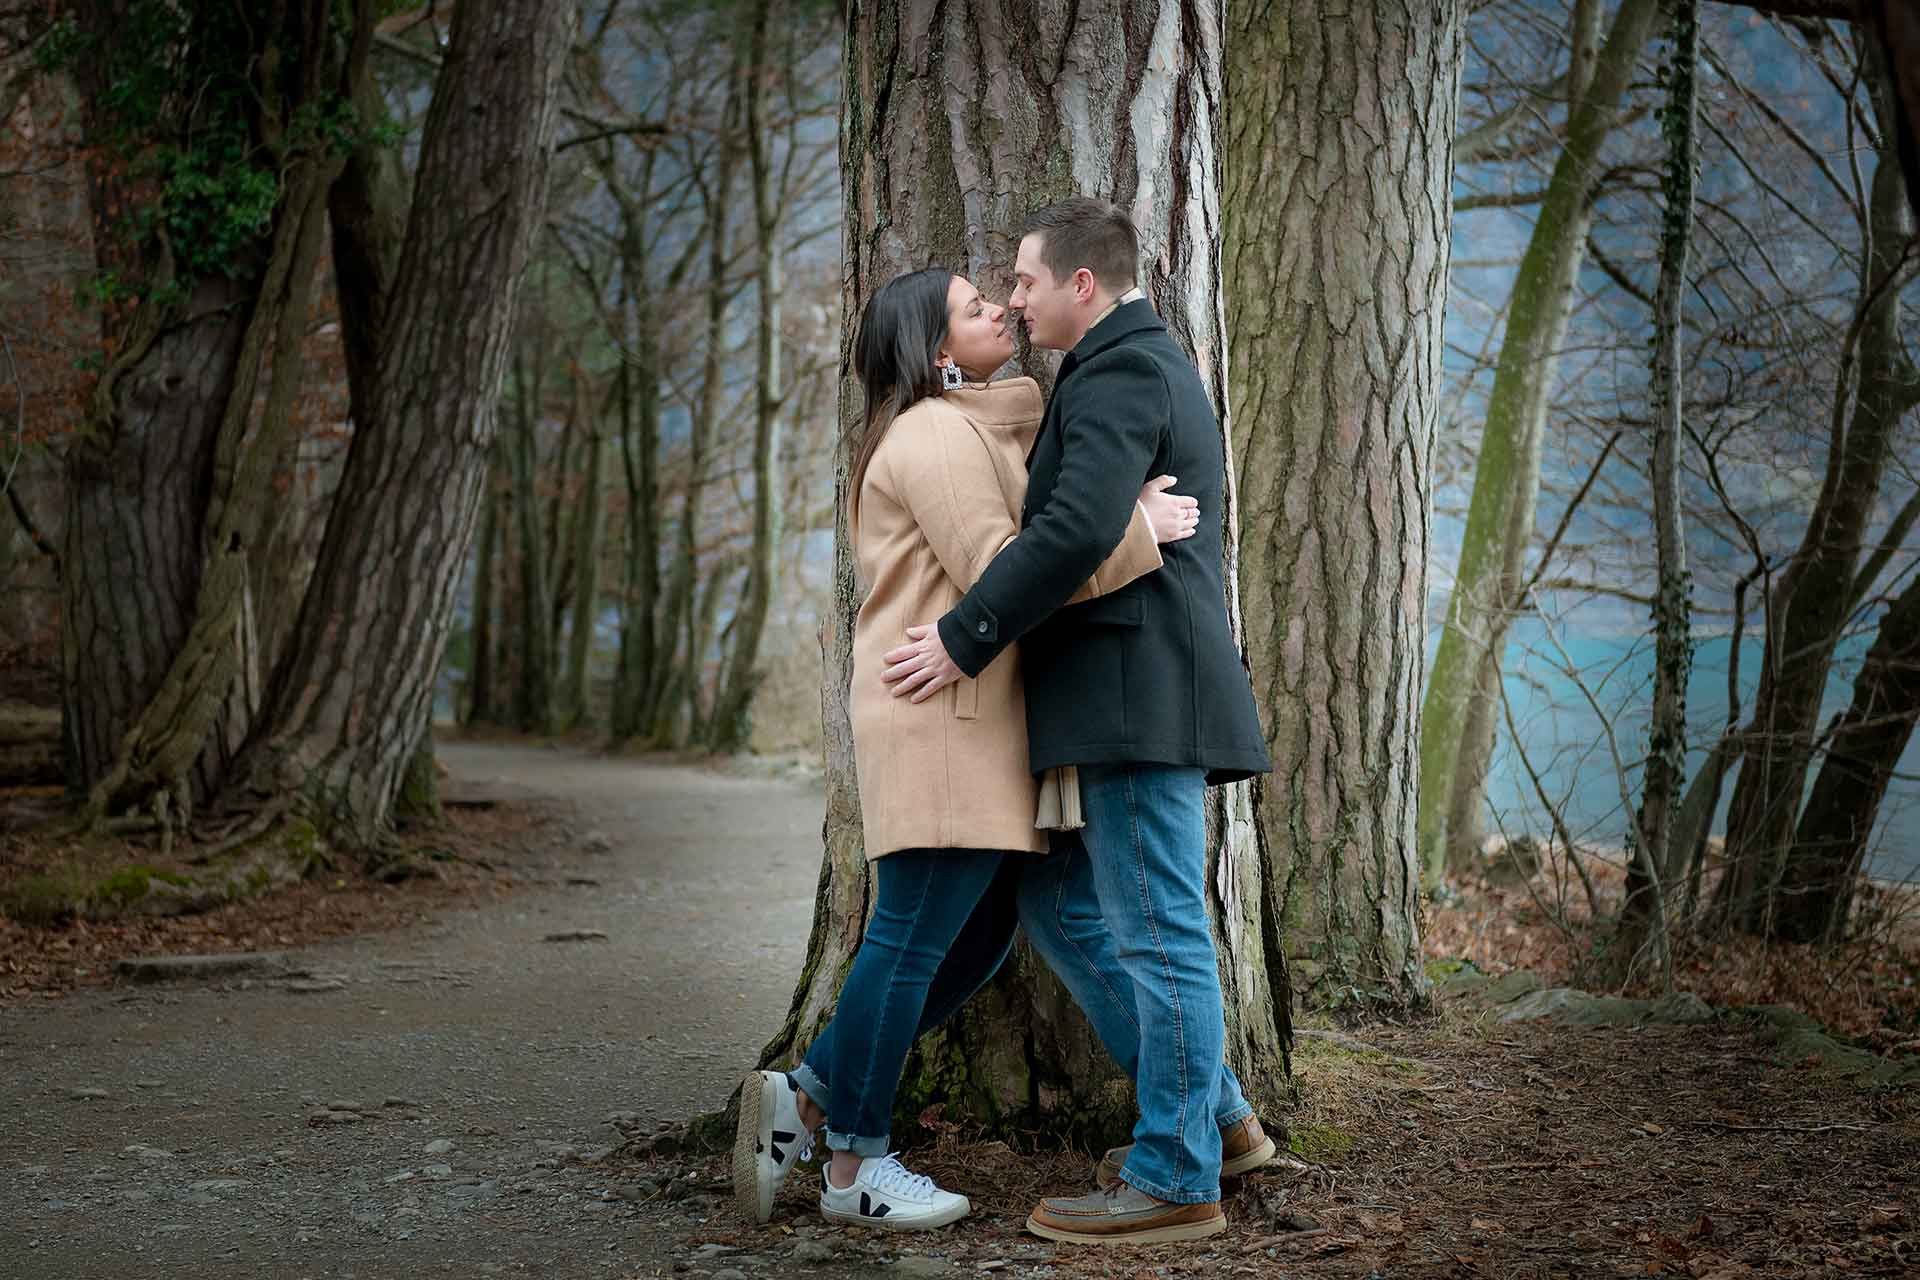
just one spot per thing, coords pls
(1168, 1194)
(1226, 1121)
(812, 1085)
(865, 1148)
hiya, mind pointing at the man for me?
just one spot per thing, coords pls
(1143, 690)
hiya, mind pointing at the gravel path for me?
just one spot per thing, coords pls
(430, 1102)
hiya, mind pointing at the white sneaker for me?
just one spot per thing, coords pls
(885, 1195)
(768, 1140)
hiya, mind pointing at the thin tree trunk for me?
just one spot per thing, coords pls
(347, 706)
(586, 583)
(533, 696)
(639, 450)
(1466, 787)
(701, 645)
(1339, 139)
(1021, 1056)
(1644, 922)
(741, 678)
(559, 532)
(1830, 845)
(1506, 478)
(676, 674)
(480, 680)
(1814, 595)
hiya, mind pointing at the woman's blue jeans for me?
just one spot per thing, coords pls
(926, 950)
(1053, 897)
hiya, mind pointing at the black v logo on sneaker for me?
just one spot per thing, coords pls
(868, 1209)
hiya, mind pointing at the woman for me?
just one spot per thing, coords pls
(946, 797)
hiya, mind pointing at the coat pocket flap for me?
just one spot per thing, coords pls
(1112, 611)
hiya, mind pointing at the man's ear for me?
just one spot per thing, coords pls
(1083, 285)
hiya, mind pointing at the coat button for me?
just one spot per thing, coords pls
(982, 628)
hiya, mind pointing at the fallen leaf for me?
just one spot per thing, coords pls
(1651, 1127)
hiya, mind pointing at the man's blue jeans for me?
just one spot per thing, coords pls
(1055, 899)
(1145, 854)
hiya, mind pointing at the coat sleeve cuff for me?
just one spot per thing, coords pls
(971, 635)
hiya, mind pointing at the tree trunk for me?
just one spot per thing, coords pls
(168, 490)
(700, 645)
(558, 531)
(1339, 133)
(1644, 922)
(732, 725)
(347, 705)
(1465, 801)
(1506, 478)
(674, 676)
(639, 454)
(1814, 594)
(1130, 101)
(480, 678)
(1830, 846)
(586, 584)
(533, 694)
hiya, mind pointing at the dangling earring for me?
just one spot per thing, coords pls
(951, 378)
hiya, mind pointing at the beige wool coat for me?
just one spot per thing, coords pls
(941, 496)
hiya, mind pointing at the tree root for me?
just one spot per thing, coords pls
(244, 831)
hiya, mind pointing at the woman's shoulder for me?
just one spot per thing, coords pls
(923, 424)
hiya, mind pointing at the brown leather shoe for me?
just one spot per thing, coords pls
(1244, 1147)
(1123, 1214)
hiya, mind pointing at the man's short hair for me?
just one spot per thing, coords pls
(1084, 232)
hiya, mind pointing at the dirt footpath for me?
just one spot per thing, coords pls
(439, 1101)
(425, 1102)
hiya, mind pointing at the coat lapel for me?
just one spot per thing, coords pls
(1043, 462)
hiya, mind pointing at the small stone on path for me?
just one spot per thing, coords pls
(577, 935)
(921, 1268)
(88, 1095)
(812, 1252)
(439, 1147)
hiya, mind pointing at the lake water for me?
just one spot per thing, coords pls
(1566, 741)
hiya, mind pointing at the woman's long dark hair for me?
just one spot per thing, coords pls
(900, 334)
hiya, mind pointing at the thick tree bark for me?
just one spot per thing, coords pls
(168, 484)
(1338, 162)
(1506, 480)
(1830, 845)
(1814, 594)
(954, 124)
(347, 705)
(741, 679)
